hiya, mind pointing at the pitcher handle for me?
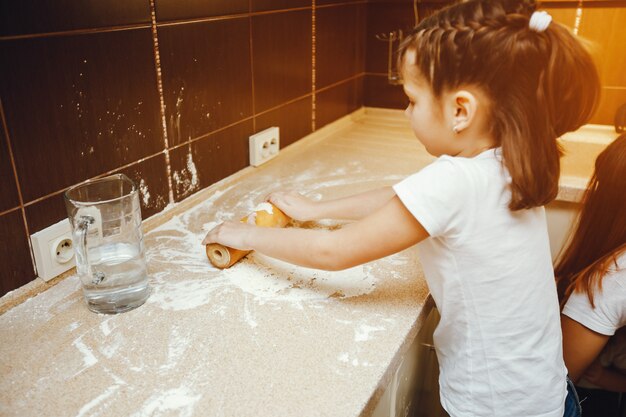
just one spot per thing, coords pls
(83, 230)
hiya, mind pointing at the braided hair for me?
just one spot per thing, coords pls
(541, 84)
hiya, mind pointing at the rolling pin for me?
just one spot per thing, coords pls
(265, 215)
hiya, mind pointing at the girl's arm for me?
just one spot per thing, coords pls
(353, 207)
(388, 230)
(605, 378)
(581, 346)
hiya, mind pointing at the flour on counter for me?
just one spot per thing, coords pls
(85, 410)
(248, 315)
(192, 348)
(110, 349)
(185, 294)
(181, 400)
(104, 327)
(362, 333)
(88, 357)
(176, 245)
(265, 206)
(177, 346)
(345, 357)
(269, 278)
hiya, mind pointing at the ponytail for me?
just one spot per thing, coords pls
(541, 83)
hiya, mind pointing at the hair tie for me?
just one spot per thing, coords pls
(539, 21)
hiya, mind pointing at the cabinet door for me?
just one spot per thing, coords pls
(425, 401)
(414, 388)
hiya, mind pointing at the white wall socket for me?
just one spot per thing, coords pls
(53, 250)
(264, 146)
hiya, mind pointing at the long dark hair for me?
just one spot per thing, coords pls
(541, 84)
(599, 237)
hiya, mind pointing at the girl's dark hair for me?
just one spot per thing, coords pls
(599, 237)
(540, 84)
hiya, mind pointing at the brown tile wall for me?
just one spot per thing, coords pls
(383, 17)
(602, 22)
(81, 96)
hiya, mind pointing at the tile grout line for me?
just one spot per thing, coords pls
(230, 16)
(197, 138)
(74, 32)
(579, 15)
(5, 127)
(180, 145)
(87, 31)
(313, 53)
(2, 213)
(251, 67)
(104, 174)
(157, 62)
(345, 80)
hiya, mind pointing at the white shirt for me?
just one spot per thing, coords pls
(608, 315)
(490, 273)
(610, 312)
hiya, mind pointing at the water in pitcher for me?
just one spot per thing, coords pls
(105, 215)
(119, 279)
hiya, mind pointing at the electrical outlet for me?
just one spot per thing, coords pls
(53, 250)
(264, 146)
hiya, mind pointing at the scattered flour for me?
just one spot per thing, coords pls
(112, 347)
(104, 327)
(88, 357)
(178, 344)
(177, 244)
(85, 410)
(269, 278)
(182, 278)
(181, 400)
(186, 180)
(265, 206)
(362, 333)
(345, 357)
(144, 192)
(261, 207)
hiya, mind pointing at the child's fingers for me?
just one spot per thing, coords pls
(275, 196)
(231, 234)
(278, 199)
(211, 236)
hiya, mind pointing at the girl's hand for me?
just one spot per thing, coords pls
(294, 205)
(231, 234)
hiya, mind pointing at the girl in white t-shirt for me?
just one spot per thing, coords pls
(592, 275)
(491, 85)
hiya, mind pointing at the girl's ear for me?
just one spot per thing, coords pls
(465, 106)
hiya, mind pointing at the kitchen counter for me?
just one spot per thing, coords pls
(262, 338)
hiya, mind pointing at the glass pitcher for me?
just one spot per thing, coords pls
(106, 232)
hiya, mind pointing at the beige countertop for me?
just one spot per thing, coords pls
(262, 338)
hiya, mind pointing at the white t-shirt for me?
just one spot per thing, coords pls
(608, 315)
(610, 312)
(490, 273)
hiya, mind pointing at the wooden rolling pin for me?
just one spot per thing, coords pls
(265, 215)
